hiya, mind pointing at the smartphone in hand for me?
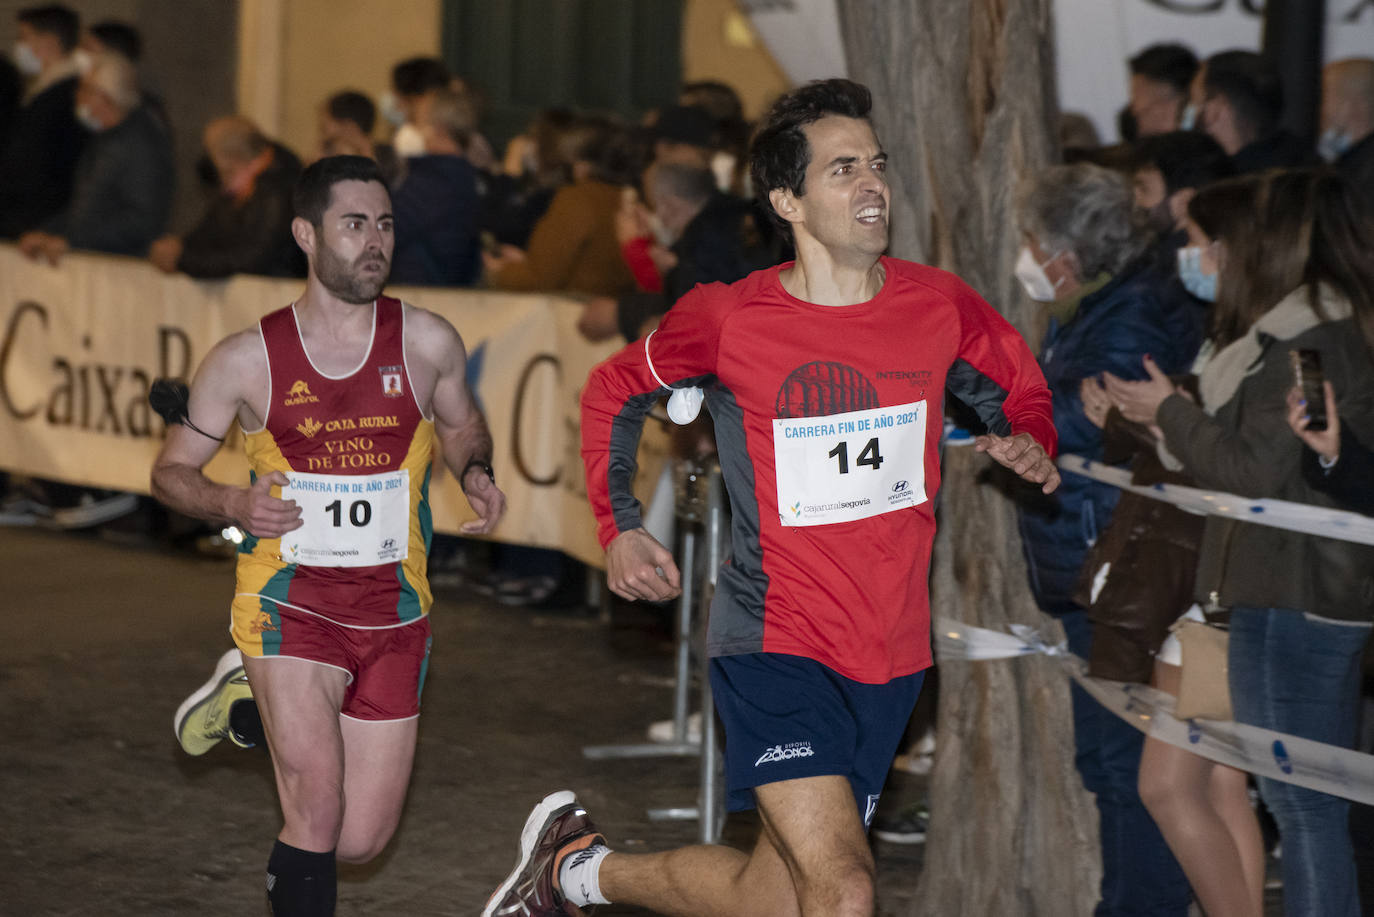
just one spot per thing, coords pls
(1307, 376)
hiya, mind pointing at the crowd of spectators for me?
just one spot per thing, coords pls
(626, 216)
(1178, 269)
(1182, 271)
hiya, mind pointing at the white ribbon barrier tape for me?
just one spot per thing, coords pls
(1262, 752)
(1283, 514)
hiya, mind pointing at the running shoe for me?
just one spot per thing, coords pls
(202, 720)
(905, 826)
(557, 827)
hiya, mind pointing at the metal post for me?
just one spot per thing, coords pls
(683, 674)
(711, 795)
(1293, 34)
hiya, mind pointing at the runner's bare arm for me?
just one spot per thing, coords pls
(464, 440)
(217, 396)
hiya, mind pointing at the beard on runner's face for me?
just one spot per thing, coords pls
(357, 282)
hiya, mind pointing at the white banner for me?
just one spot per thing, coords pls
(1263, 752)
(80, 344)
(1096, 38)
(1280, 514)
(802, 35)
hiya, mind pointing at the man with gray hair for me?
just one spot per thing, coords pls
(1347, 120)
(1111, 306)
(123, 185)
(247, 227)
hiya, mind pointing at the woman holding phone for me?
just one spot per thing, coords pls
(1295, 272)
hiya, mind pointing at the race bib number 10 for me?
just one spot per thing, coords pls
(844, 467)
(348, 520)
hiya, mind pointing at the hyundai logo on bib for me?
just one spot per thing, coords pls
(900, 487)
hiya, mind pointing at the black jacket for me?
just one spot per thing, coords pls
(123, 189)
(1351, 480)
(437, 210)
(252, 236)
(39, 158)
(1280, 150)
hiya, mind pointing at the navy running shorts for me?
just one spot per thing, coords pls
(788, 716)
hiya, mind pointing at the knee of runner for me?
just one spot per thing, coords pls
(853, 889)
(846, 887)
(359, 851)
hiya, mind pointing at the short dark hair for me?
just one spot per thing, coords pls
(119, 37)
(720, 99)
(1250, 85)
(1171, 64)
(615, 152)
(780, 153)
(315, 188)
(418, 75)
(53, 19)
(354, 106)
(1186, 159)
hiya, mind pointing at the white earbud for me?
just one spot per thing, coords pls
(684, 405)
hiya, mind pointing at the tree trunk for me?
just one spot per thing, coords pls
(964, 103)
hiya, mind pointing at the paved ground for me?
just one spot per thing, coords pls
(103, 814)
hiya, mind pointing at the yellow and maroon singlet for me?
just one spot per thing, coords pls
(357, 452)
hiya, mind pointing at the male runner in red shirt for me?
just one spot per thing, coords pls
(825, 379)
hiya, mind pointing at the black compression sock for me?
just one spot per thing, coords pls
(301, 883)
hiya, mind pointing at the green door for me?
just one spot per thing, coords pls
(621, 56)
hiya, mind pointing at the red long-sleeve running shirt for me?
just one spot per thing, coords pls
(828, 421)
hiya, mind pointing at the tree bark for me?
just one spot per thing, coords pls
(964, 100)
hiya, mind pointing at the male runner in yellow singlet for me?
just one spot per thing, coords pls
(343, 398)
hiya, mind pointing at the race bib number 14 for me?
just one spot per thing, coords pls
(844, 467)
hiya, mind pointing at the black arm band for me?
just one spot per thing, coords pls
(476, 463)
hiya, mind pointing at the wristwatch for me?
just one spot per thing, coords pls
(476, 463)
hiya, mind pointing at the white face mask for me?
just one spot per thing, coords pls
(82, 61)
(390, 109)
(88, 119)
(1032, 275)
(26, 60)
(409, 141)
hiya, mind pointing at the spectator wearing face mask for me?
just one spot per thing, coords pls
(713, 238)
(1160, 78)
(1347, 121)
(45, 139)
(247, 227)
(1290, 255)
(1086, 256)
(1237, 99)
(414, 83)
(123, 189)
(437, 202)
(1167, 170)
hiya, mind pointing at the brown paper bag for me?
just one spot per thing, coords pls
(1204, 690)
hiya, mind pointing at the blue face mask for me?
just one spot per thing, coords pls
(1195, 280)
(1188, 120)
